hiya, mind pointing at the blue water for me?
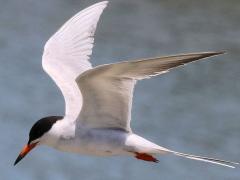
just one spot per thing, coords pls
(193, 109)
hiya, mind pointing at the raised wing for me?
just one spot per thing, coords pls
(67, 52)
(108, 89)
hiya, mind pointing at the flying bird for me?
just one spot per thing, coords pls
(98, 100)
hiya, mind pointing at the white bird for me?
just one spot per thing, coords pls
(99, 100)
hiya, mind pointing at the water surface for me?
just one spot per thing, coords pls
(193, 109)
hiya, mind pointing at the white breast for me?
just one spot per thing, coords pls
(99, 142)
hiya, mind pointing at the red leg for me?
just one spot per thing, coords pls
(145, 157)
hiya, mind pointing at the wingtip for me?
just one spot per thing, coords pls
(212, 53)
(223, 52)
(216, 52)
(100, 4)
(104, 2)
(220, 52)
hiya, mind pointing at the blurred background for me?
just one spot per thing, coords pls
(193, 109)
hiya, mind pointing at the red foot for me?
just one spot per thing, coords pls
(146, 157)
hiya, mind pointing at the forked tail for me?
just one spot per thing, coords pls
(147, 150)
(207, 159)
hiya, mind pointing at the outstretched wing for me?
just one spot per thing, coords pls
(67, 52)
(108, 89)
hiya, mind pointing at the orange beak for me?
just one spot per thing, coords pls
(26, 149)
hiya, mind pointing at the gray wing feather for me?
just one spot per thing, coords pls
(108, 89)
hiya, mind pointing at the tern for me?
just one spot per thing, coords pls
(98, 100)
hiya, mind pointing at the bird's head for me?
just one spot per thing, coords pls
(36, 134)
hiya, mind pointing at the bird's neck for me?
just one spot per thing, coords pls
(62, 129)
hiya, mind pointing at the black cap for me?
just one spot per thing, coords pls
(42, 126)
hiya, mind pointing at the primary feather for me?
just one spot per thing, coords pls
(66, 54)
(108, 89)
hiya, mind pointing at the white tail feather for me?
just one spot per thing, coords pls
(207, 159)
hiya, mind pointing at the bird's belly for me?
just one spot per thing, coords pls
(99, 142)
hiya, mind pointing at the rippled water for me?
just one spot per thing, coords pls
(194, 109)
